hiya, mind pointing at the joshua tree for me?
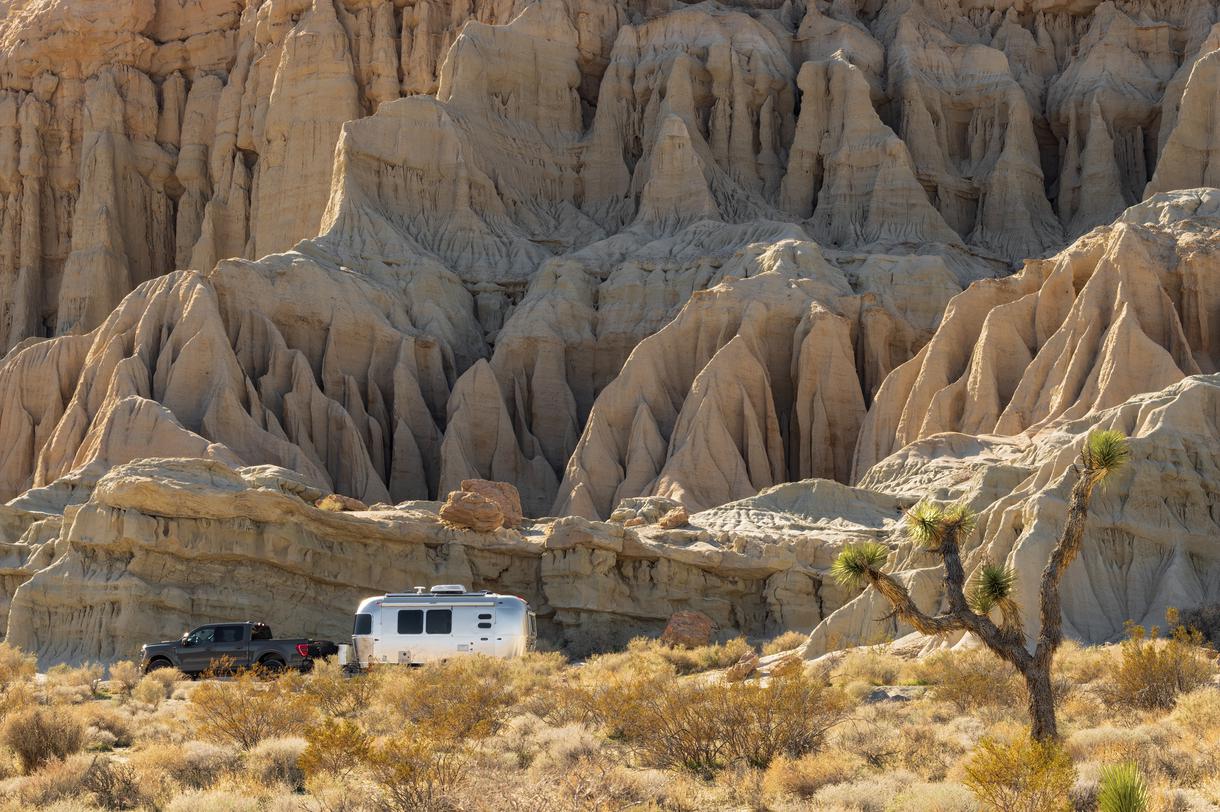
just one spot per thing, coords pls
(970, 605)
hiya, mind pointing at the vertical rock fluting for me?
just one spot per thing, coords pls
(563, 178)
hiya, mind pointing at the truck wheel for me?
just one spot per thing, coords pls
(272, 665)
(158, 664)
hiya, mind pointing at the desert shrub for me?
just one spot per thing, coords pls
(113, 785)
(245, 711)
(1020, 775)
(277, 761)
(785, 642)
(1198, 710)
(216, 800)
(693, 660)
(1081, 665)
(870, 666)
(971, 679)
(464, 698)
(334, 693)
(150, 691)
(872, 793)
(702, 726)
(77, 683)
(336, 746)
(37, 735)
(873, 740)
(676, 725)
(933, 798)
(415, 773)
(788, 716)
(196, 765)
(125, 676)
(605, 686)
(1152, 673)
(106, 725)
(15, 665)
(1205, 619)
(804, 776)
(57, 780)
(559, 749)
(1122, 789)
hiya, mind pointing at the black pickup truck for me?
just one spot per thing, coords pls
(233, 646)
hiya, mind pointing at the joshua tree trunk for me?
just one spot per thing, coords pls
(1041, 702)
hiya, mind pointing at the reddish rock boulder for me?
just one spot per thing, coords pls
(678, 517)
(689, 630)
(472, 511)
(502, 493)
(743, 668)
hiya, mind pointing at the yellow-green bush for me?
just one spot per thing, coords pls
(1152, 673)
(244, 711)
(1021, 775)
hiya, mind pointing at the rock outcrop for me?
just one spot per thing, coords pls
(596, 250)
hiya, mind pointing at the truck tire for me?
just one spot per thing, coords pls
(272, 664)
(158, 663)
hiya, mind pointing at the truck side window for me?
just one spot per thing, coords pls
(410, 621)
(229, 634)
(364, 624)
(202, 637)
(440, 621)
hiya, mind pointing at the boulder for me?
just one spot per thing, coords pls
(688, 630)
(338, 503)
(678, 517)
(472, 511)
(502, 493)
(743, 668)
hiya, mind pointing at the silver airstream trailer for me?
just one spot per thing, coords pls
(412, 628)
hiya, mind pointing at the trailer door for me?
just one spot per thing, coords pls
(474, 629)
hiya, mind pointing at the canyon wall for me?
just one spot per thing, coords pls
(599, 249)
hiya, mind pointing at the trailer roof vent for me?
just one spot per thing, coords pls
(449, 589)
(419, 590)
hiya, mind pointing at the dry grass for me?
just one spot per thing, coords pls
(648, 728)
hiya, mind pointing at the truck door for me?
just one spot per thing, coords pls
(195, 653)
(230, 649)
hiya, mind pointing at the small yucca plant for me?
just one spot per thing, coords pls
(1105, 451)
(854, 563)
(993, 587)
(1122, 789)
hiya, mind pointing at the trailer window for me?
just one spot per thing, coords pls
(410, 621)
(364, 624)
(483, 624)
(485, 616)
(440, 621)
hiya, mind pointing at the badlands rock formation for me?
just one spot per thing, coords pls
(595, 249)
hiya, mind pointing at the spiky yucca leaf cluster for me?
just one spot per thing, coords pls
(1105, 451)
(993, 584)
(927, 522)
(853, 564)
(1122, 789)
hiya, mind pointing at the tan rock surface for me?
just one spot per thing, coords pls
(593, 249)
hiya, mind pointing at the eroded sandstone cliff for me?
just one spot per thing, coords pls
(599, 250)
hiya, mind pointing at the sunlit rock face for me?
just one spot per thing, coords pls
(597, 249)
